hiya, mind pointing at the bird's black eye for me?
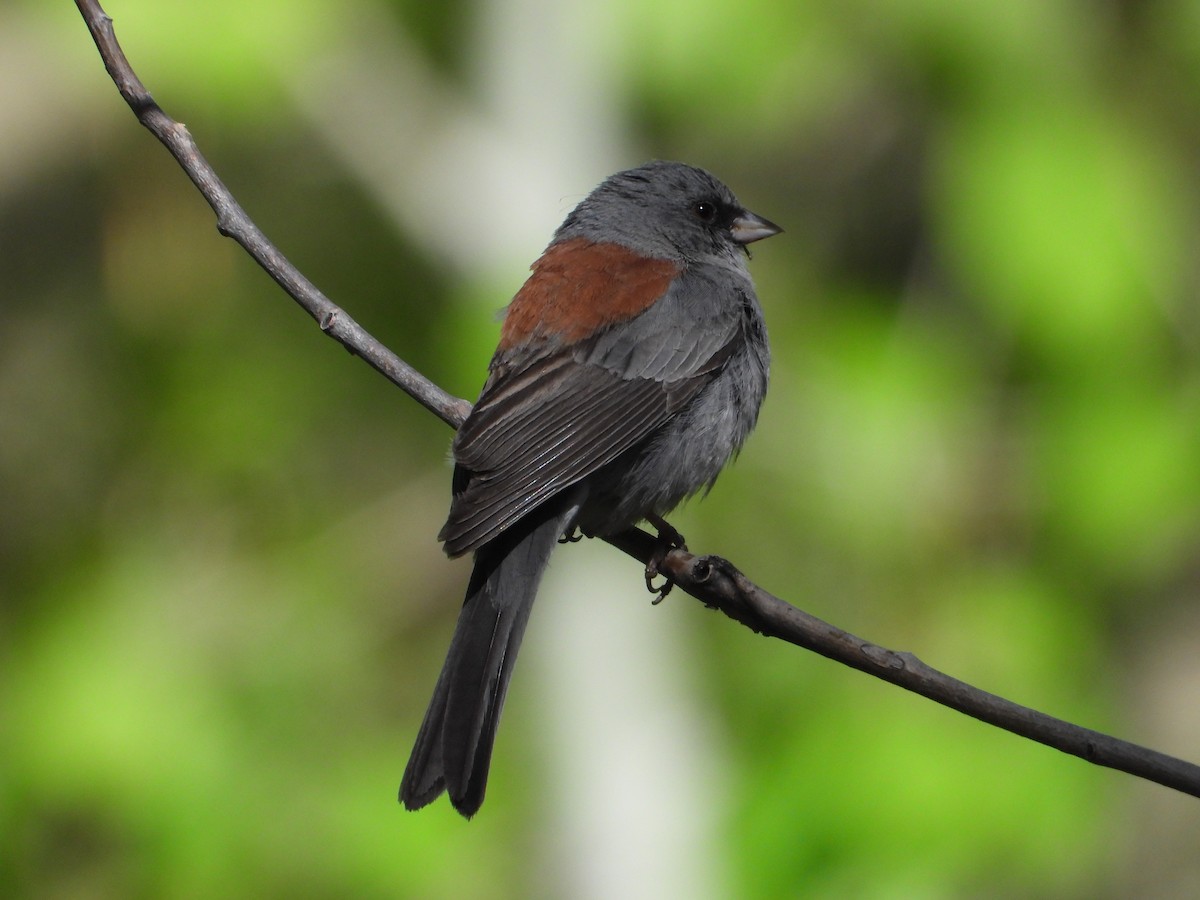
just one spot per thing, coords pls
(706, 211)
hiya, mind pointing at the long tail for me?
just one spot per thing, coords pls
(454, 746)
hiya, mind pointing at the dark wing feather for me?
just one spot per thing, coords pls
(528, 445)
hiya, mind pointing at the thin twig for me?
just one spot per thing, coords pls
(715, 582)
(710, 579)
(233, 222)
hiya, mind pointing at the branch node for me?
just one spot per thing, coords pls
(881, 656)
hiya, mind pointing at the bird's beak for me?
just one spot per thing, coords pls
(748, 228)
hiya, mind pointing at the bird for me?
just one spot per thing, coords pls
(630, 369)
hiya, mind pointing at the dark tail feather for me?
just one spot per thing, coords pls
(454, 746)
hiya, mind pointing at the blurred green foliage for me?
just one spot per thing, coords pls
(221, 602)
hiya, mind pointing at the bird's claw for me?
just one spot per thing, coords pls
(574, 536)
(662, 590)
(668, 539)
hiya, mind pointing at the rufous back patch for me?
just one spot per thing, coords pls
(579, 286)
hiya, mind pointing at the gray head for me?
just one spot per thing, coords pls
(668, 210)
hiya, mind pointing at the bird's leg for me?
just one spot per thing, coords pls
(668, 539)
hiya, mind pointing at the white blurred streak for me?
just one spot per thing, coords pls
(1161, 849)
(635, 767)
(57, 100)
(479, 181)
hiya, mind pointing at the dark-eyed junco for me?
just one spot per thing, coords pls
(631, 367)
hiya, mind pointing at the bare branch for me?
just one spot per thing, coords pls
(710, 579)
(233, 222)
(716, 583)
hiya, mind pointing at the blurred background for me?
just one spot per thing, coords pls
(222, 604)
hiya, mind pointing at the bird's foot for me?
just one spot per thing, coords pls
(668, 539)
